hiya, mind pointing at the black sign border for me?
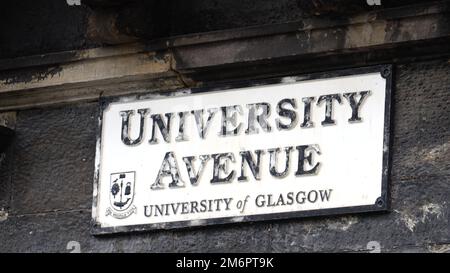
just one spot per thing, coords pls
(382, 203)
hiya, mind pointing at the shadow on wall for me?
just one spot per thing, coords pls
(34, 27)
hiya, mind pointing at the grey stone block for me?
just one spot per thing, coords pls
(246, 237)
(52, 232)
(54, 159)
(419, 216)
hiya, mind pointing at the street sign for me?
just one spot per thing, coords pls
(271, 149)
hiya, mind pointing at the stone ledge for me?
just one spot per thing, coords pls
(311, 45)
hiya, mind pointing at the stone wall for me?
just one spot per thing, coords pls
(46, 187)
(53, 73)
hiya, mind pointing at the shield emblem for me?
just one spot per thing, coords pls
(121, 192)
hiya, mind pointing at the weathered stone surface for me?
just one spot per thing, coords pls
(312, 44)
(414, 225)
(421, 121)
(52, 187)
(229, 238)
(419, 217)
(56, 26)
(52, 232)
(5, 181)
(53, 167)
(28, 27)
(365, 33)
(7, 120)
(73, 74)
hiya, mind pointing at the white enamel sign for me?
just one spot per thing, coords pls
(274, 149)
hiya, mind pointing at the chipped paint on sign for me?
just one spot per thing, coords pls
(287, 147)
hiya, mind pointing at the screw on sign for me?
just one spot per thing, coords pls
(74, 246)
(374, 247)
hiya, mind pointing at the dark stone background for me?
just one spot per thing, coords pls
(29, 27)
(46, 187)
